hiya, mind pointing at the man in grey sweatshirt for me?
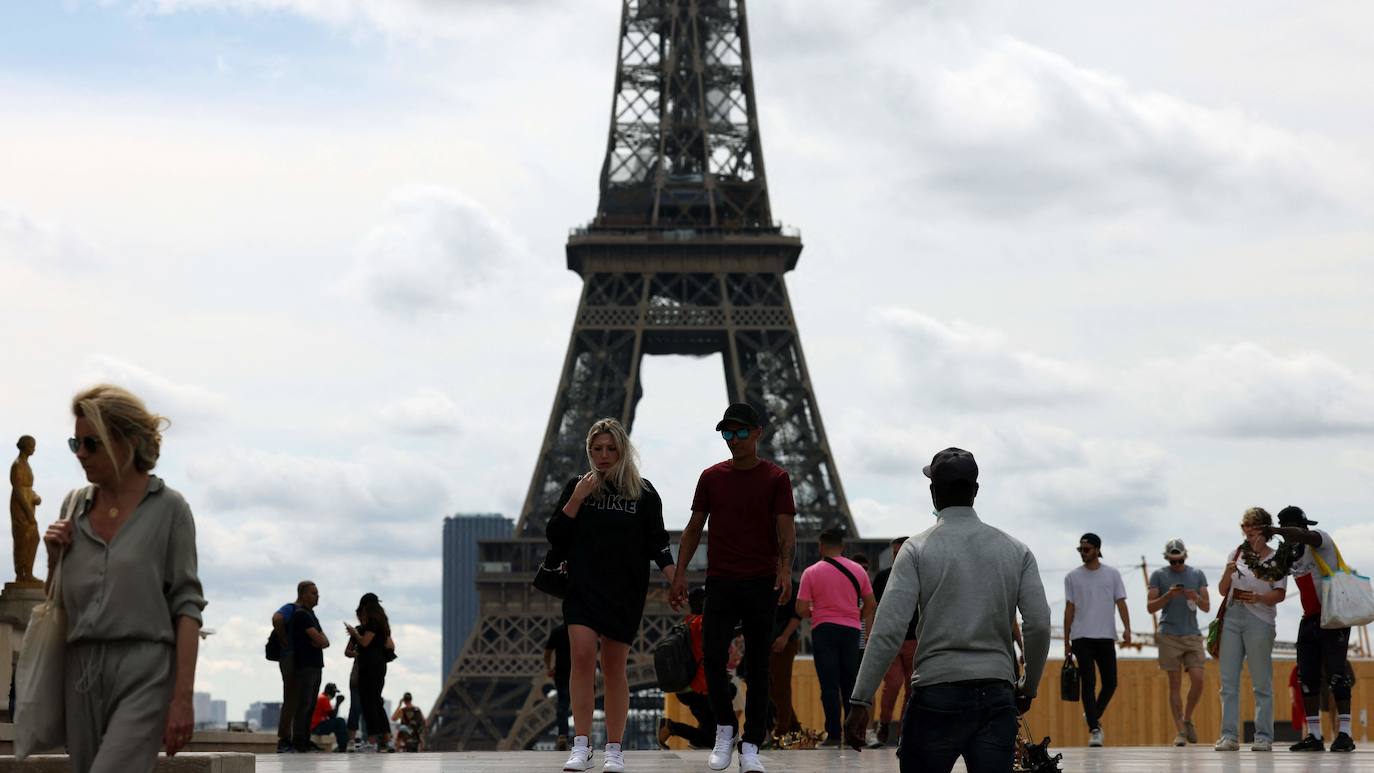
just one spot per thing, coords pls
(968, 580)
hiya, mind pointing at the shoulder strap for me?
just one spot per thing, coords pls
(1322, 565)
(857, 590)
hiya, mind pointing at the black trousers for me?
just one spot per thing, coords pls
(750, 605)
(563, 699)
(1322, 648)
(1099, 654)
(836, 650)
(307, 690)
(703, 734)
(371, 680)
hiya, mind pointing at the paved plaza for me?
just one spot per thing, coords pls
(1197, 759)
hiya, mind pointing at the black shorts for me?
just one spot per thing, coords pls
(1322, 649)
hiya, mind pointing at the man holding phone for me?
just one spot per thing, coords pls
(1177, 593)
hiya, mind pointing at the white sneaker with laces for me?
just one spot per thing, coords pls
(1095, 739)
(613, 760)
(749, 759)
(1262, 744)
(581, 757)
(724, 748)
(1227, 744)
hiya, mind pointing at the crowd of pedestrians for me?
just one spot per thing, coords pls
(941, 621)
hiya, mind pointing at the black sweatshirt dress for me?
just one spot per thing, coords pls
(609, 546)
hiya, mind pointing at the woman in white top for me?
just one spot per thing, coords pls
(1254, 582)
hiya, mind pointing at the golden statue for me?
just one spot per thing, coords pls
(24, 502)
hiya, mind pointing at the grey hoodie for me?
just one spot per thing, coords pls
(969, 580)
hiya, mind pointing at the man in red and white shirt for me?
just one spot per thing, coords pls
(838, 597)
(1318, 648)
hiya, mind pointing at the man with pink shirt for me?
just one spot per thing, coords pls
(835, 592)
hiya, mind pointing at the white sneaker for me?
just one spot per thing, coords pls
(724, 748)
(613, 760)
(1227, 744)
(1262, 744)
(581, 757)
(1095, 739)
(749, 759)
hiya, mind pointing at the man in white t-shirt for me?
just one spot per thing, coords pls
(1090, 593)
(1318, 648)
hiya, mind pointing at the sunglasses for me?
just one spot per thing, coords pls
(1084, 550)
(732, 434)
(91, 444)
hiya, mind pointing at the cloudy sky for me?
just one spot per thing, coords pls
(1123, 253)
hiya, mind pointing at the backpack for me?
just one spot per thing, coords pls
(273, 649)
(674, 664)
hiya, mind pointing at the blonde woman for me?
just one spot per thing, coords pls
(131, 591)
(1255, 580)
(610, 524)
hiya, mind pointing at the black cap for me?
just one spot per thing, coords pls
(740, 413)
(1094, 540)
(369, 597)
(951, 465)
(331, 689)
(1294, 516)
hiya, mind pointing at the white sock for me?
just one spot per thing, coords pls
(580, 740)
(612, 747)
(1345, 723)
(1314, 726)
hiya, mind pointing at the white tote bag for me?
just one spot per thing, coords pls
(1347, 599)
(40, 717)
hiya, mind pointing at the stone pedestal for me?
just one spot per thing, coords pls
(17, 601)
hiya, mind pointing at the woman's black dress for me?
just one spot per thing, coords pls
(609, 546)
(372, 678)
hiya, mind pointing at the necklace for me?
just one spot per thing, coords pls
(1276, 567)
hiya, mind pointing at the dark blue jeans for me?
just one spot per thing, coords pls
(836, 651)
(944, 722)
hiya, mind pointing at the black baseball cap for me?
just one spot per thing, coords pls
(740, 413)
(1094, 540)
(1294, 516)
(952, 465)
(331, 689)
(369, 597)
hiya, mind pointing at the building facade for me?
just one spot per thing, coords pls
(461, 535)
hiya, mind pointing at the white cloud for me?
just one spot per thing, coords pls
(184, 404)
(427, 412)
(435, 251)
(50, 244)
(961, 366)
(1245, 390)
(380, 487)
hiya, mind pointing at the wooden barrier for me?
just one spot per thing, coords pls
(1137, 716)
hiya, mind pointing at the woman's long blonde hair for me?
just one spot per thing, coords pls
(117, 412)
(624, 474)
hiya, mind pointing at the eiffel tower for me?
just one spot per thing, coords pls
(683, 257)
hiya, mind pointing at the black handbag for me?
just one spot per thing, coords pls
(1068, 681)
(552, 580)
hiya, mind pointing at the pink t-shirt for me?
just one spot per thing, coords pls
(831, 594)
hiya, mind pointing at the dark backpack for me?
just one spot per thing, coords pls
(674, 664)
(273, 648)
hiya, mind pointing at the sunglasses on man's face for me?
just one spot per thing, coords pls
(91, 444)
(1084, 550)
(732, 434)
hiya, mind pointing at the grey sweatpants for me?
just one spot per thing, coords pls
(117, 697)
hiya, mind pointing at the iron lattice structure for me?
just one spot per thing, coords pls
(683, 257)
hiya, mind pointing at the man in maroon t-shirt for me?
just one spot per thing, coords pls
(748, 573)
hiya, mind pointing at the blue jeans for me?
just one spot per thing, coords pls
(836, 651)
(1246, 638)
(944, 722)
